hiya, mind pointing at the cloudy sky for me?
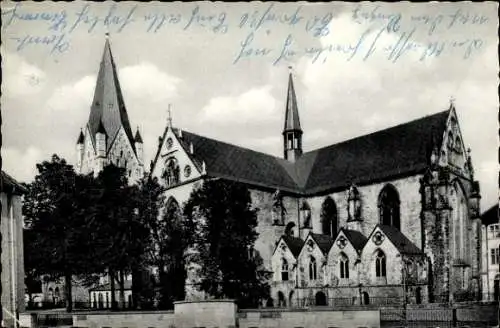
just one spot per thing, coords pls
(224, 67)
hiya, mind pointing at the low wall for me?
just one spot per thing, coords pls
(216, 313)
(130, 319)
(310, 318)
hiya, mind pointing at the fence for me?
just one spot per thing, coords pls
(344, 302)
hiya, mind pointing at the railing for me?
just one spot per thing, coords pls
(77, 305)
(346, 302)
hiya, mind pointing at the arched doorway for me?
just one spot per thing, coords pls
(281, 299)
(366, 298)
(270, 302)
(320, 299)
(100, 301)
(418, 295)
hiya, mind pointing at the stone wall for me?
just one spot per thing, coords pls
(12, 256)
(311, 318)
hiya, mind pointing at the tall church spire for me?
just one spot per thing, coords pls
(108, 106)
(292, 132)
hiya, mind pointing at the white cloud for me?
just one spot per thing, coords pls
(75, 97)
(146, 81)
(256, 105)
(19, 77)
(20, 163)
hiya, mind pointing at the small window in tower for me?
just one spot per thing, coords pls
(110, 105)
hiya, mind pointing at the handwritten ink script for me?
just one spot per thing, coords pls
(271, 32)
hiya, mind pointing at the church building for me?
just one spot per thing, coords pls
(107, 137)
(392, 214)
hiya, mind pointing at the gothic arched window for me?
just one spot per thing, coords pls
(380, 262)
(305, 211)
(284, 270)
(460, 240)
(329, 217)
(344, 266)
(313, 273)
(172, 208)
(388, 204)
(171, 174)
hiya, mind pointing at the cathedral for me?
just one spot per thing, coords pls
(390, 215)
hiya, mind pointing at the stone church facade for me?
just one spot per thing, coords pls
(389, 214)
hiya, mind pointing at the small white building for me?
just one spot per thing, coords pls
(100, 297)
(491, 254)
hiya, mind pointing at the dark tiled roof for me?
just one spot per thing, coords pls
(127, 285)
(397, 151)
(403, 244)
(236, 163)
(295, 244)
(357, 239)
(403, 149)
(292, 120)
(108, 105)
(324, 242)
(490, 216)
(9, 185)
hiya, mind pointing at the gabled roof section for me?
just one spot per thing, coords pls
(324, 242)
(108, 105)
(400, 150)
(294, 244)
(235, 163)
(292, 120)
(491, 215)
(356, 238)
(9, 185)
(403, 244)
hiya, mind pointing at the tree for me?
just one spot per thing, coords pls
(169, 238)
(120, 233)
(223, 213)
(55, 212)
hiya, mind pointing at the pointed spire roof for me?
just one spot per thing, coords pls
(138, 137)
(81, 137)
(108, 107)
(292, 121)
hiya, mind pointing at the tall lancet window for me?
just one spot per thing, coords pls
(172, 172)
(388, 204)
(329, 217)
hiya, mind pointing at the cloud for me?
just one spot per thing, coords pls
(254, 106)
(19, 77)
(20, 163)
(146, 81)
(75, 96)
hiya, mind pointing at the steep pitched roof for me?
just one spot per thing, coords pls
(108, 105)
(357, 239)
(403, 149)
(324, 242)
(491, 215)
(403, 244)
(138, 137)
(396, 151)
(235, 163)
(80, 138)
(295, 244)
(9, 185)
(292, 120)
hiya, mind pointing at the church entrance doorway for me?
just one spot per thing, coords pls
(418, 295)
(320, 299)
(366, 298)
